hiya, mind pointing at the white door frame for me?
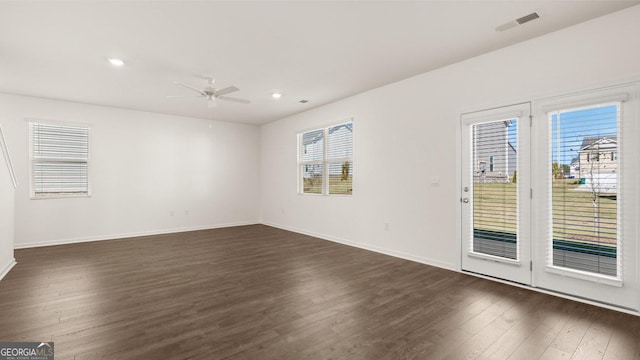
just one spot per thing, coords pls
(517, 270)
(622, 291)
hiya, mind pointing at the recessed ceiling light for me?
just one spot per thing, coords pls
(116, 62)
(276, 95)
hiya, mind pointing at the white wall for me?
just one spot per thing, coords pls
(143, 167)
(6, 215)
(406, 134)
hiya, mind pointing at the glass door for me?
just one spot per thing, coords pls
(586, 238)
(495, 193)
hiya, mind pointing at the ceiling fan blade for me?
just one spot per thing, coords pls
(241, 101)
(182, 96)
(226, 91)
(191, 88)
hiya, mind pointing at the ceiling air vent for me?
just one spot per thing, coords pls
(303, 101)
(527, 18)
(518, 21)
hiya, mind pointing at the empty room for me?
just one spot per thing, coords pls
(319, 180)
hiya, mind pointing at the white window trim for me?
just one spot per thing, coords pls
(582, 102)
(493, 258)
(584, 275)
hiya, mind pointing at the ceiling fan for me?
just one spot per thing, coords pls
(211, 94)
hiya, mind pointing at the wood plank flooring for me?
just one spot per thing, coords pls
(255, 292)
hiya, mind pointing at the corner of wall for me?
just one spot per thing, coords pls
(7, 268)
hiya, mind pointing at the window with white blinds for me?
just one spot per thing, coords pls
(585, 192)
(495, 190)
(325, 160)
(59, 160)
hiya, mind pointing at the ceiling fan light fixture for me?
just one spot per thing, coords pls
(212, 95)
(116, 62)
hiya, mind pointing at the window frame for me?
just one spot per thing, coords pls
(627, 251)
(325, 159)
(593, 157)
(33, 195)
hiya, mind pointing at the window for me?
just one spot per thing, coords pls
(325, 160)
(585, 212)
(495, 198)
(59, 160)
(585, 227)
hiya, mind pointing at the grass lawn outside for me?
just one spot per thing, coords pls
(337, 186)
(573, 212)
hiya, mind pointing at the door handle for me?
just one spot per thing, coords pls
(465, 200)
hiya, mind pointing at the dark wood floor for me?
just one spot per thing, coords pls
(256, 292)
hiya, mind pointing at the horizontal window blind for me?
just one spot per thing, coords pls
(585, 192)
(312, 161)
(495, 200)
(326, 160)
(340, 159)
(59, 160)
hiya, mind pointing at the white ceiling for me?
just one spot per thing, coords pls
(316, 50)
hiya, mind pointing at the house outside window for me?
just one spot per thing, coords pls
(495, 151)
(600, 152)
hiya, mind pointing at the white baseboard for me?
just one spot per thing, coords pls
(557, 294)
(7, 268)
(448, 266)
(381, 250)
(131, 234)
